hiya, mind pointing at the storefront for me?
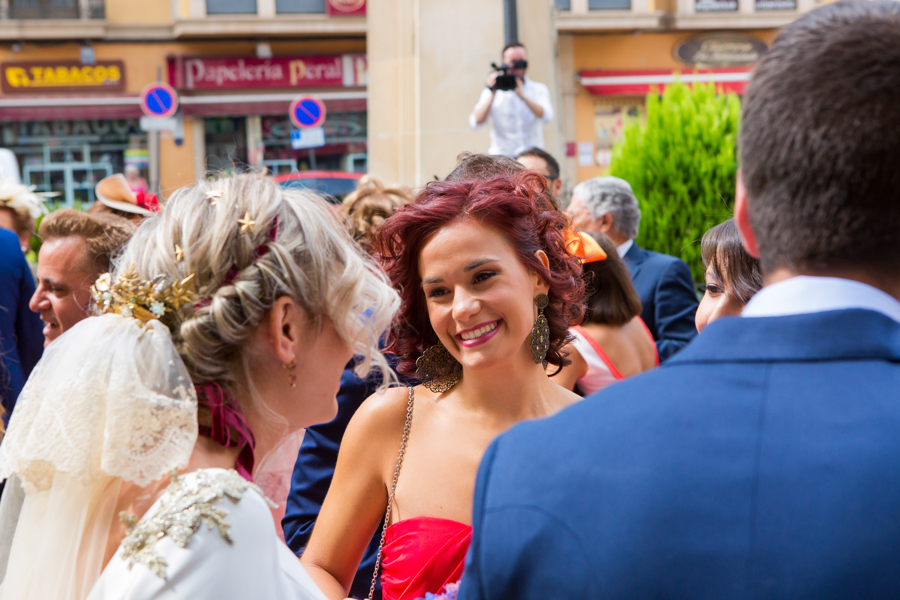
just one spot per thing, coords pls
(617, 71)
(243, 104)
(79, 129)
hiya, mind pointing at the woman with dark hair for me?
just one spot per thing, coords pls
(732, 275)
(613, 342)
(488, 292)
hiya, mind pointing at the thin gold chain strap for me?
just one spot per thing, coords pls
(390, 503)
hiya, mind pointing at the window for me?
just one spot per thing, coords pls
(564, 4)
(231, 7)
(43, 9)
(299, 6)
(609, 4)
(55, 9)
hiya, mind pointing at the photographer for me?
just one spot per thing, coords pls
(517, 105)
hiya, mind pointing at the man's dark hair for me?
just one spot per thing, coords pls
(482, 166)
(512, 45)
(552, 165)
(819, 141)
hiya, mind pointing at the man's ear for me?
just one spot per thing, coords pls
(605, 223)
(557, 187)
(284, 325)
(742, 217)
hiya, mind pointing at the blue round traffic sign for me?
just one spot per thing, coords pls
(159, 100)
(307, 112)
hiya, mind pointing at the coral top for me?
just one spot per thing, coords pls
(421, 555)
(601, 370)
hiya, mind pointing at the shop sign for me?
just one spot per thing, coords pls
(345, 7)
(62, 76)
(776, 4)
(721, 50)
(716, 5)
(201, 73)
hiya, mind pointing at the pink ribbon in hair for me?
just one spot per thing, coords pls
(226, 417)
(232, 273)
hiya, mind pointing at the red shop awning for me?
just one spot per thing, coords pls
(50, 108)
(640, 83)
(236, 105)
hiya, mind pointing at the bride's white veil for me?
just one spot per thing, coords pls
(110, 401)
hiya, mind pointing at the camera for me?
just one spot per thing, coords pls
(505, 80)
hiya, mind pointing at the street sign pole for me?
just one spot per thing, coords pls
(159, 101)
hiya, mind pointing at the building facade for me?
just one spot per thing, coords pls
(72, 72)
(398, 79)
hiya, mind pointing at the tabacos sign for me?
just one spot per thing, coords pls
(62, 76)
(202, 73)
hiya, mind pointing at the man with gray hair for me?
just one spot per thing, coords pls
(607, 205)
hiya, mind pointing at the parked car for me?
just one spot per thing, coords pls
(332, 184)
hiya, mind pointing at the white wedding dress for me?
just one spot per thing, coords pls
(254, 564)
(111, 403)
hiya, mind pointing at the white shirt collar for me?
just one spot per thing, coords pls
(803, 295)
(624, 248)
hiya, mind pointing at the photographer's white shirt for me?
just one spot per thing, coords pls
(515, 128)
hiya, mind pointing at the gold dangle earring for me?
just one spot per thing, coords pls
(540, 333)
(292, 378)
(437, 369)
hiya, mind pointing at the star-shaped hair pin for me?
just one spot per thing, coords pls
(179, 253)
(246, 223)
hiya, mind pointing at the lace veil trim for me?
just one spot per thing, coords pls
(110, 397)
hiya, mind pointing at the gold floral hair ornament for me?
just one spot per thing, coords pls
(129, 296)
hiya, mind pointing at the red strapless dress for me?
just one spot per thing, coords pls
(422, 554)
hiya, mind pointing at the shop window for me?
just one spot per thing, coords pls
(69, 157)
(231, 7)
(226, 143)
(609, 4)
(345, 146)
(299, 6)
(564, 4)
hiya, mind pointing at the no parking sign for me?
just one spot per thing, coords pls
(159, 100)
(307, 112)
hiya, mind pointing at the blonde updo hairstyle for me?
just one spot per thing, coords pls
(367, 207)
(294, 248)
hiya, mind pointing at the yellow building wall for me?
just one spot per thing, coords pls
(618, 52)
(139, 11)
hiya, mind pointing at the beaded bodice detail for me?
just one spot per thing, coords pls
(182, 511)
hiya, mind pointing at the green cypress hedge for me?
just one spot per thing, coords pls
(680, 161)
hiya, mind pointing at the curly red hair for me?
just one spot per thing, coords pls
(518, 207)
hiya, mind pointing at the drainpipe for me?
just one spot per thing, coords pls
(510, 21)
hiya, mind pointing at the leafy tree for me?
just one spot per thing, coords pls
(680, 161)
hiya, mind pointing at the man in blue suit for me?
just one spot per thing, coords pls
(607, 205)
(21, 340)
(763, 461)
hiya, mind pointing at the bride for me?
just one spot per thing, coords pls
(227, 324)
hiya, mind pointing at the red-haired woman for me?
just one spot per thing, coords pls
(489, 292)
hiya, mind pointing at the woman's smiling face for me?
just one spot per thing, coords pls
(480, 297)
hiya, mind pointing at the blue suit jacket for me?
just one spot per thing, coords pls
(666, 289)
(763, 461)
(21, 337)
